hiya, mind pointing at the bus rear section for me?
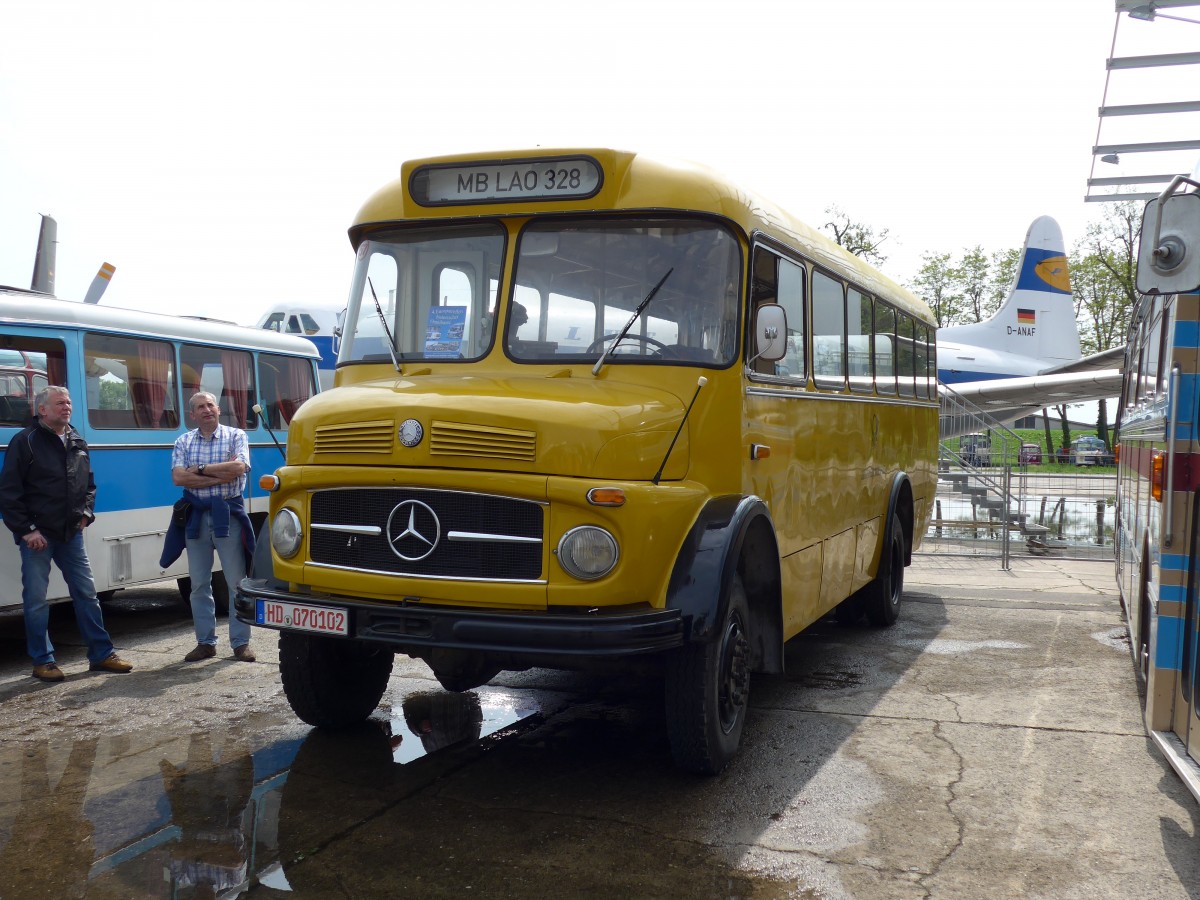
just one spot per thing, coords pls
(563, 434)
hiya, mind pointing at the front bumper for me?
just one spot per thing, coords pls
(536, 638)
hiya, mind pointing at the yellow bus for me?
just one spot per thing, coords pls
(596, 410)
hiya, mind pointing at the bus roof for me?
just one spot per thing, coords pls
(633, 181)
(28, 308)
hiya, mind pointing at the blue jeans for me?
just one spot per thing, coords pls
(200, 563)
(71, 559)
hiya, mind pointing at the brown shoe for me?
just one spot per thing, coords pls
(202, 651)
(244, 653)
(48, 672)
(114, 663)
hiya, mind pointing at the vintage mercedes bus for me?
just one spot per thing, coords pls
(593, 409)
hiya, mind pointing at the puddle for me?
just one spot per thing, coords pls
(195, 815)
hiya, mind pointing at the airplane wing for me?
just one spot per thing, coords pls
(1105, 359)
(1007, 399)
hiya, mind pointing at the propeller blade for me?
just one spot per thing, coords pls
(100, 283)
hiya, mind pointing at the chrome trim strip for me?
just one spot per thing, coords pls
(801, 394)
(347, 529)
(318, 565)
(493, 538)
(429, 490)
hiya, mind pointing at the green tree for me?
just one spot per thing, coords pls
(1104, 285)
(971, 277)
(861, 240)
(936, 285)
(1004, 276)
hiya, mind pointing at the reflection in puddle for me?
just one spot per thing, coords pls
(159, 816)
(438, 719)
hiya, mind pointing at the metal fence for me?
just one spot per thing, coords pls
(1008, 510)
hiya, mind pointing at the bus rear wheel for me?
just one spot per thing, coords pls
(332, 682)
(708, 692)
(881, 598)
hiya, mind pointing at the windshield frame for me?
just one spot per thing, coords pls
(473, 252)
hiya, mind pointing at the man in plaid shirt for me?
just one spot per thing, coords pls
(211, 463)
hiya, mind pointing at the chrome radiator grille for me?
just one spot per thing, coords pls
(427, 533)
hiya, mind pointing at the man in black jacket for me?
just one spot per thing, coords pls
(46, 497)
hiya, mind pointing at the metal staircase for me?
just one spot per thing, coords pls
(985, 479)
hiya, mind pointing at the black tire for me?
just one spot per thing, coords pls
(708, 692)
(881, 598)
(220, 592)
(464, 675)
(332, 682)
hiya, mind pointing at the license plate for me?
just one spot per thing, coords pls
(321, 619)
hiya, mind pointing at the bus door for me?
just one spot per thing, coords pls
(1187, 718)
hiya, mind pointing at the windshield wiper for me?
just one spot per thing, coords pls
(383, 321)
(624, 331)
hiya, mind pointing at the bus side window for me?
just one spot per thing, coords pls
(130, 382)
(791, 298)
(906, 357)
(858, 341)
(764, 288)
(829, 332)
(885, 348)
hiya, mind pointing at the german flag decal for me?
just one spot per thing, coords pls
(1026, 316)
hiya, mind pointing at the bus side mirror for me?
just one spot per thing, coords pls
(770, 332)
(1169, 248)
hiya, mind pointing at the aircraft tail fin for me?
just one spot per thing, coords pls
(1037, 319)
(44, 261)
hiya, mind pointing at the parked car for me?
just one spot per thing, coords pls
(1088, 451)
(975, 449)
(1030, 455)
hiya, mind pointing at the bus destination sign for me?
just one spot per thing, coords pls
(560, 178)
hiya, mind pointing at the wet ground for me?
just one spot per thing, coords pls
(988, 745)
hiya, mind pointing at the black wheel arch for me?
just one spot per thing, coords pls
(732, 535)
(900, 506)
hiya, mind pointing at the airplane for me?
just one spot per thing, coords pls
(320, 324)
(1026, 356)
(44, 265)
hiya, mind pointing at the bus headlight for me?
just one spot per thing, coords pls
(286, 533)
(587, 552)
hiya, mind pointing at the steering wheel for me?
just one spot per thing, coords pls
(598, 343)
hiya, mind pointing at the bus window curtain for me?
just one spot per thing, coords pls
(56, 369)
(297, 388)
(235, 367)
(149, 383)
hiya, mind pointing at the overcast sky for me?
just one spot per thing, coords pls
(216, 153)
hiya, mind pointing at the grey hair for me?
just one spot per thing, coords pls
(192, 399)
(43, 396)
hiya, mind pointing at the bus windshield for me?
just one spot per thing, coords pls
(432, 292)
(578, 283)
(429, 291)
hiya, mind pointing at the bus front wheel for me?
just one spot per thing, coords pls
(332, 682)
(882, 596)
(708, 691)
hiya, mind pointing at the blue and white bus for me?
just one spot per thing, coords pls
(130, 375)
